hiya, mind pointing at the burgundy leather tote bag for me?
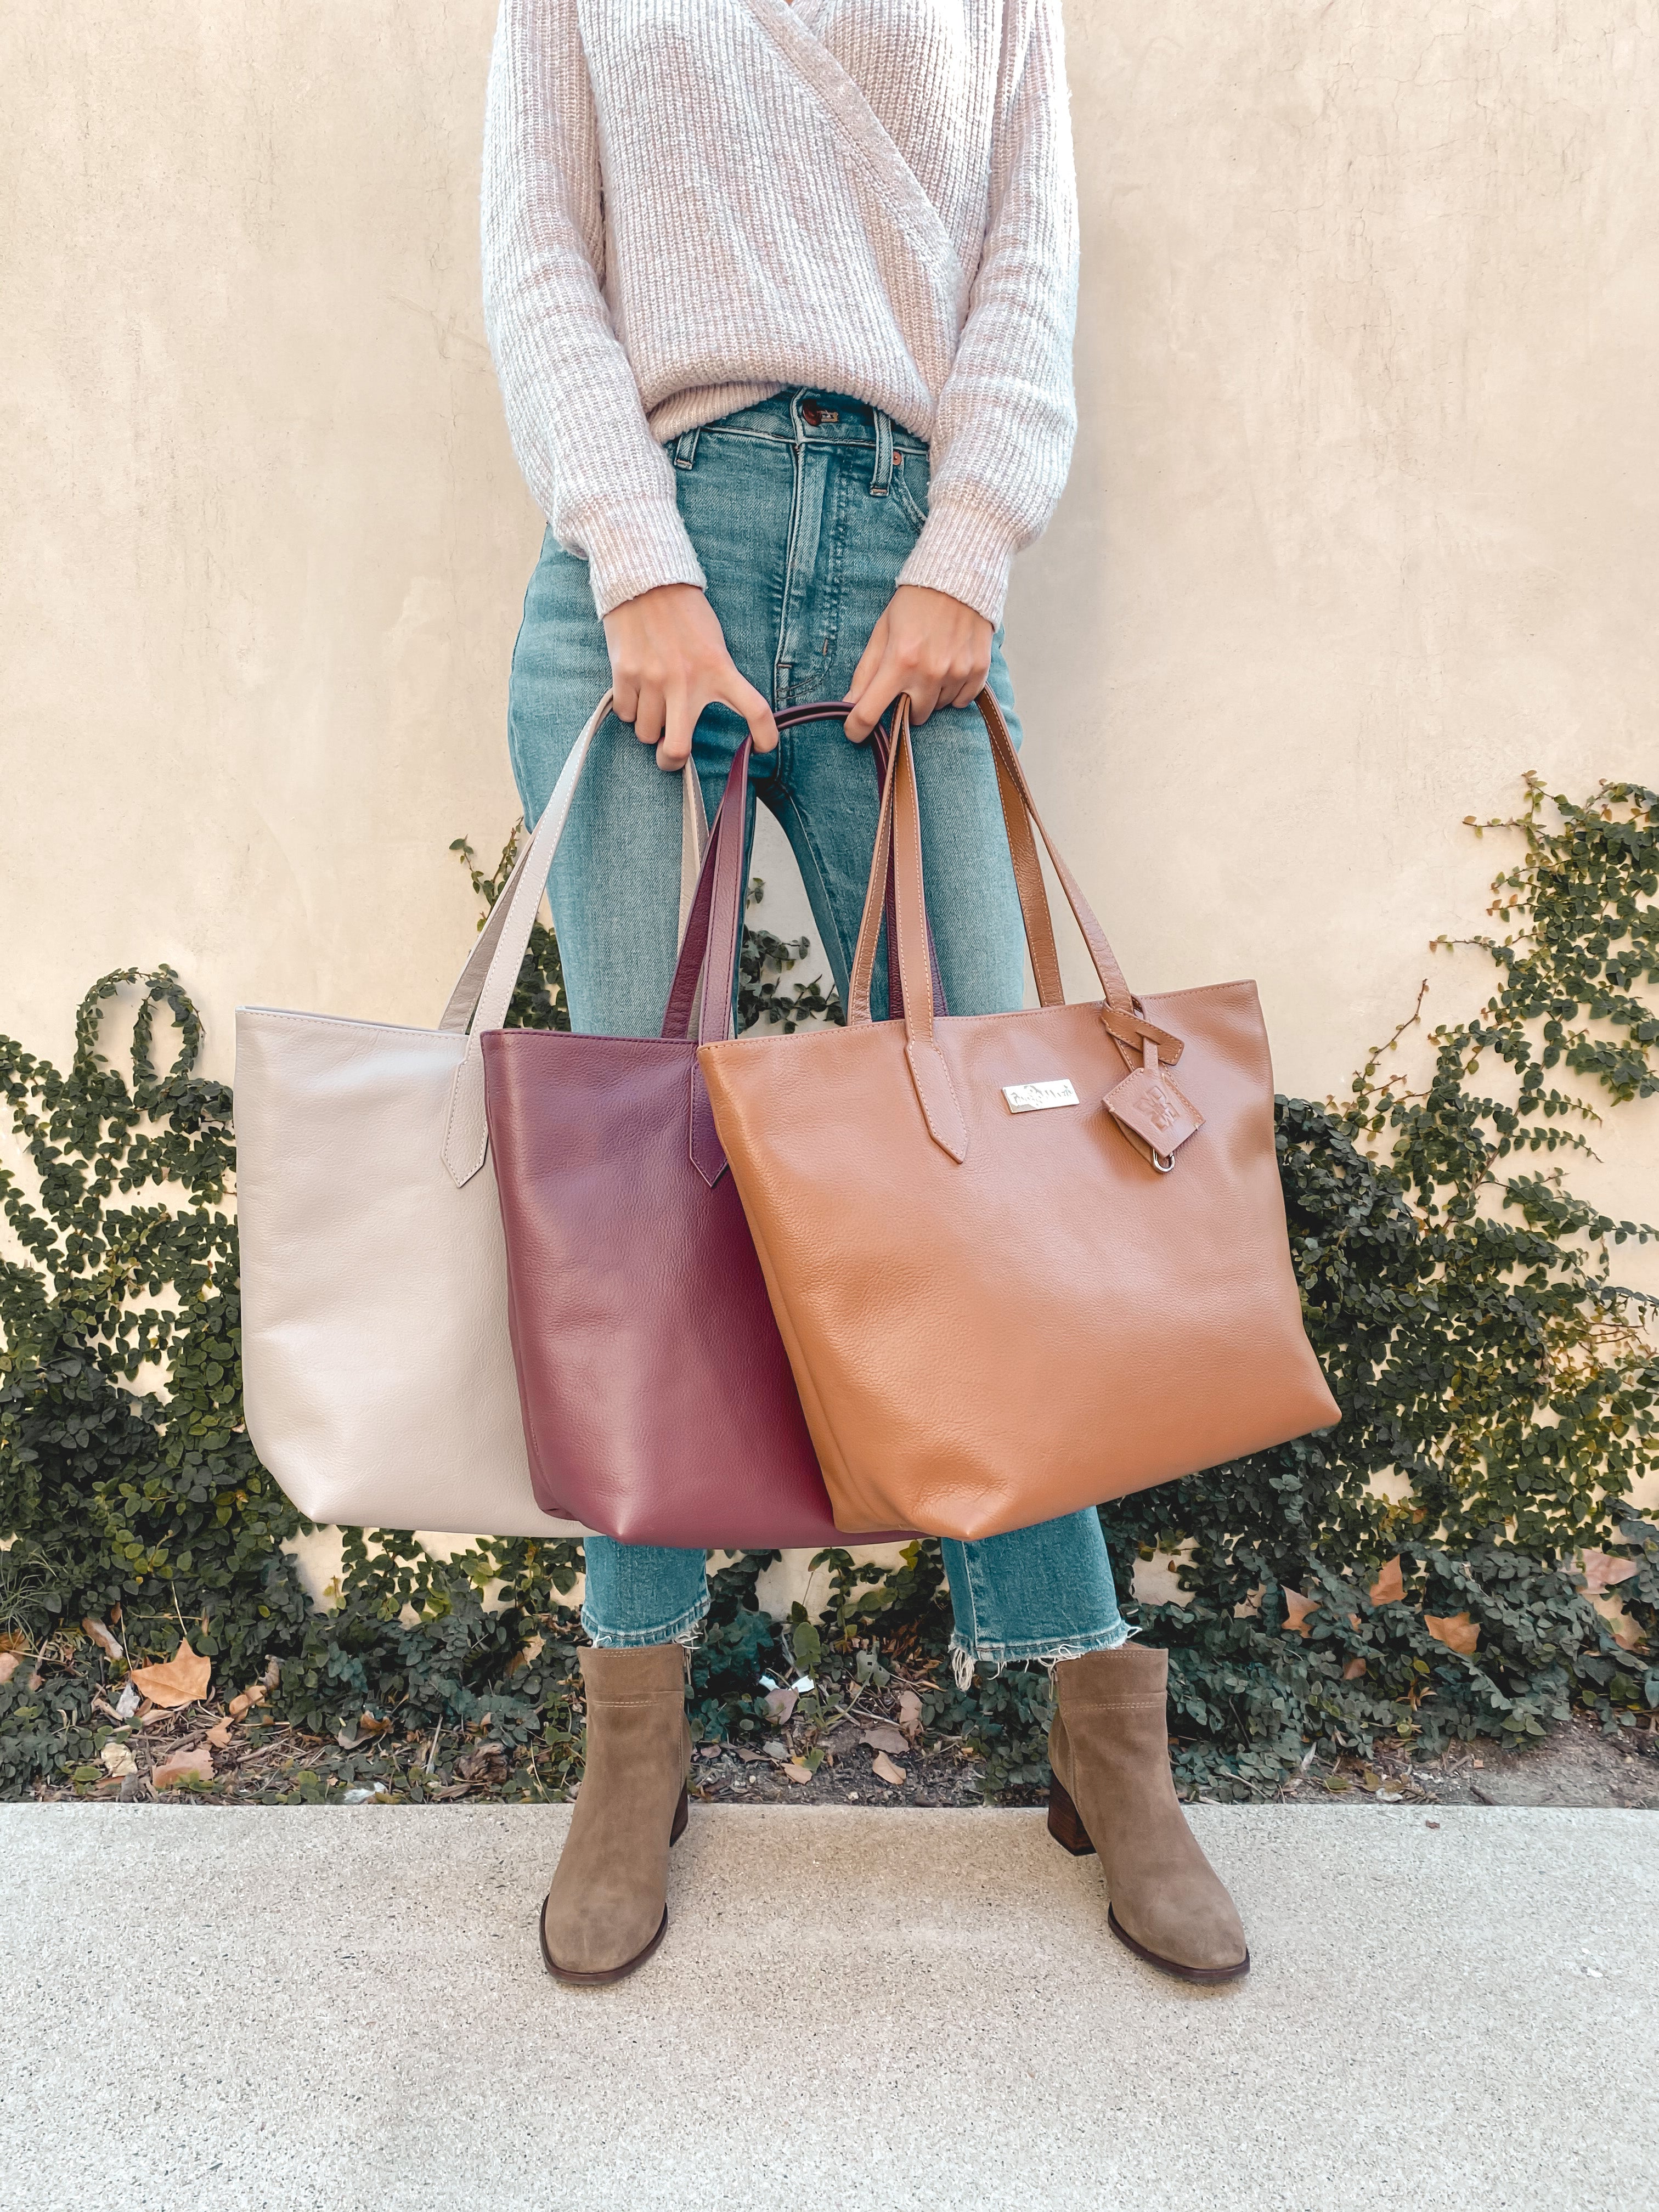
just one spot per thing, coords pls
(658, 1401)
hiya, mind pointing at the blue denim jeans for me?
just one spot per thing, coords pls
(802, 526)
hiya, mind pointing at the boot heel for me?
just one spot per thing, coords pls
(1063, 1825)
(682, 1815)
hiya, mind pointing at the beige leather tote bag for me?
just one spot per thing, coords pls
(377, 1370)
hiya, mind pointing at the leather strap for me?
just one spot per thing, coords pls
(898, 853)
(482, 993)
(696, 963)
(837, 710)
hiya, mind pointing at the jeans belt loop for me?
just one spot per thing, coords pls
(881, 482)
(685, 449)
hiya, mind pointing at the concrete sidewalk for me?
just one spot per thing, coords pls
(345, 2008)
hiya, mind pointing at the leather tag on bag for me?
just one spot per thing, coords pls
(1149, 1106)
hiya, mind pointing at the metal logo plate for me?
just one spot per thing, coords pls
(1033, 1097)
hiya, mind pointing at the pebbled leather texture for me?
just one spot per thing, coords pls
(378, 1367)
(1004, 1317)
(658, 1401)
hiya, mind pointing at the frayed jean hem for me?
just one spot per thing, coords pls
(687, 1630)
(966, 1658)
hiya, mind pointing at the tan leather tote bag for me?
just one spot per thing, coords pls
(378, 1368)
(1026, 1262)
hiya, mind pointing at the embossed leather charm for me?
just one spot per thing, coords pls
(1147, 1104)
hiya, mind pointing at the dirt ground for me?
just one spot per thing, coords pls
(1578, 1766)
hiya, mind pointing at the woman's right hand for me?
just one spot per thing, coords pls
(669, 661)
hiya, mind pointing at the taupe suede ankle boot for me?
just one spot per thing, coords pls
(1113, 1793)
(607, 1910)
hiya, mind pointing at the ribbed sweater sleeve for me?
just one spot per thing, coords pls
(572, 405)
(1007, 419)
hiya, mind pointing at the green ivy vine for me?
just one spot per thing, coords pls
(1500, 1397)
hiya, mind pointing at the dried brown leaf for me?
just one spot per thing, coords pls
(797, 1773)
(780, 1703)
(183, 1766)
(1389, 1588)
(1353, 1670)
(884, 1770)
(180, 1681)
(119, 1759)
(9, 1664)
(1456, 1631)
(882, 1735)
(1296, 1610)
(219, 1737)
(1602, 1571)
(101, 1636)
(909, 1714)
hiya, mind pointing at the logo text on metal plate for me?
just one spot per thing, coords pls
(1032, 1097)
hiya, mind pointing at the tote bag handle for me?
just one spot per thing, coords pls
(485, 988)
(899, 842)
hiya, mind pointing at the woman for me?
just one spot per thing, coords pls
(781, 304)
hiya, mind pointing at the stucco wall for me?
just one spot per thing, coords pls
(1362, 523)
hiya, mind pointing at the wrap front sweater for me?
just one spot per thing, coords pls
(692, 204)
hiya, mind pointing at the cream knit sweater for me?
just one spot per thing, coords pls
(690, 204)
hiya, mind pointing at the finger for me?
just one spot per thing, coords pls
(683, 709)
(924, 697)
(870, 659)
(649, 713)
(873, 701)
(625, 696)
(742, 698)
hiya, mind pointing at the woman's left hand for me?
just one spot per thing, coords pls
(927, 644)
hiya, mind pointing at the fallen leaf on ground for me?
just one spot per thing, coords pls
(1389, 1588)
(220, 1737)
(909, 1714)
(797, 1773)
(127, 1703)
(273, 1673)
(245, 1699)
(884, 1770)
(1456, 1631)
(882, 1735)
(777, 1748)
(1353, 1670)
(1602, 1571)
(1297, 1609)
(1628, 1637)
(7, 1665)
(180, 1681)
(119, 1759)
(183, 1766)
(780, 1703)
(101, 1636)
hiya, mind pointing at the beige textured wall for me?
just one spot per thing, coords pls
(1362, 525)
